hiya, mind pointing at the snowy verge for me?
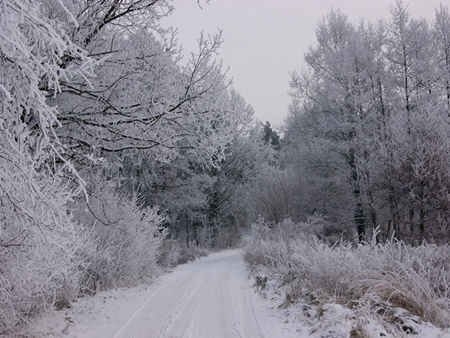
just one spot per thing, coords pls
(100, 315)
(332, 320)
(370, 290)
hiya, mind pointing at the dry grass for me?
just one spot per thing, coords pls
(399, 276)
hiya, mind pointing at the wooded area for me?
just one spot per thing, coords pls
(367, 139)
(116, 158)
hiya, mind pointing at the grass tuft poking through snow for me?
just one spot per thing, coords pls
(400, 287)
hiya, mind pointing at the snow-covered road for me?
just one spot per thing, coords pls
(210, 297)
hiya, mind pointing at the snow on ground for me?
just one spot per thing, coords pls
(333, 320)
(211, 297)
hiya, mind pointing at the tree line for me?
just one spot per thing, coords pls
(366, 142)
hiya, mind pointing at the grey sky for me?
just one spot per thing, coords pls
(266, 39)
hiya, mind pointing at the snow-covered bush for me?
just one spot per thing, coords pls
(382, 277)
(39, 243)
(127, 237)
(191, 253)
(169, 253)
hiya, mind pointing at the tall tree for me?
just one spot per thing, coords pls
(157, 124)
(441, 33)
(339, 91)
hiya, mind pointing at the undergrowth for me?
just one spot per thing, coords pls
(382, 277)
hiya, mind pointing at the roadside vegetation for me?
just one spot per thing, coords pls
(393, 283)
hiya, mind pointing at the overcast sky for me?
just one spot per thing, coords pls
(266, 39)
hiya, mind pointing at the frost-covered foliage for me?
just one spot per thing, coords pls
(39, 243)
(126, 236)
(87, 84)
(368, 130)
(40, 265)
(142, 99)
(162, 126)
(206, 205)
(379, 279)
(169, 253)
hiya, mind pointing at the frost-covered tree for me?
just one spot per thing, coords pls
(340, 110)
(364, 124)
(141, 97)
(417, 201)
(229, 196)
(39, 242)
(142, 100)
(206, 204)
(160, 125)
(441, 34)
(146, 121)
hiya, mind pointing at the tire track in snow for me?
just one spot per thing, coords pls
(173, 288)
(183, 305)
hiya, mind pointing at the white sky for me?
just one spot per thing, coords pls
(266, 39)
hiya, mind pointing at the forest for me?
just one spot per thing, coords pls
(119, 160)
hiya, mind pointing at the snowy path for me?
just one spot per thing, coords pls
(210, 297)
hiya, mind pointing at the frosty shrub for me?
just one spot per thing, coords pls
(174, 252)
(39, 243)
(382, 277)
(127, 238)
(191, 253)
(169, 253)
